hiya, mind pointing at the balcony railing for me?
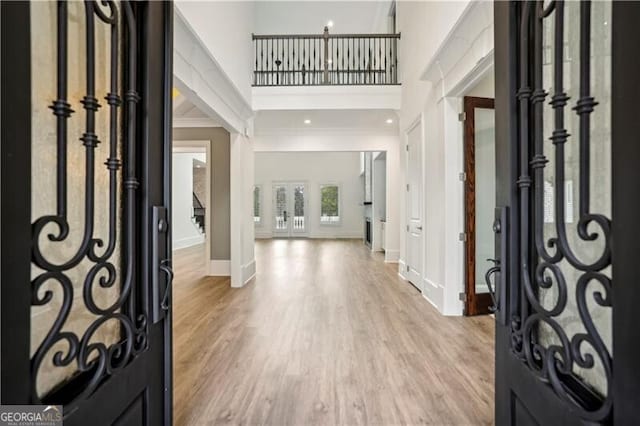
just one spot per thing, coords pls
(326, 59)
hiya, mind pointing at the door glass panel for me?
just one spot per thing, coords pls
(485, 191)
(280, 210)
(80, 318)
(575, 203)
(298, 208)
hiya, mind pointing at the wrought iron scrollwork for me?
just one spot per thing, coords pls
(93, 359)
(555, 362)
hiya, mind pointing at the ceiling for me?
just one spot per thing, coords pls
(326, 119)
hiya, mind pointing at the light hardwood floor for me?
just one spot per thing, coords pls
(325, 334)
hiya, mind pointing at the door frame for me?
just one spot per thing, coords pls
(474, 304)
(154, 174)
(510, 371)
(180, 146)
(419, 124)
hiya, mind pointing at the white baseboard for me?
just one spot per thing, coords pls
(187, 242)
(220, 268)
(392, 256)
(402, 268)
(248, 271)
(347, 236)
(434, 293)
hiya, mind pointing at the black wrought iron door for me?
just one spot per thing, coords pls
(86, 131)
(566, 224)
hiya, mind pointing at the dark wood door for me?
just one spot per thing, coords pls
(86, 317)
(477, 136)
(567, 123)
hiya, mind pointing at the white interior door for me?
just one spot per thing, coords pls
(289, 209)
(414, 206)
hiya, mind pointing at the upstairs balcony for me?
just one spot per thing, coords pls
(326, 71)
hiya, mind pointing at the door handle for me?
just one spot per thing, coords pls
(285, 215)
(487, 278)
(165, 266)
(419, 228)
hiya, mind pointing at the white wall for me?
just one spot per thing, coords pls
(450, 44)
(313, 169)
(354, 140)
(225, 28)
(304, 17)
(184, 232)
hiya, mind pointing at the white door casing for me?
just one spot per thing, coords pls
(414, 204)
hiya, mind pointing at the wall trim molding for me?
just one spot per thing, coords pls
(219, 268)
(402, 267)
(326, 97)
(433, 292)
(194, 122)
(200, 78)
(326, 131)
(248, 271)
(188, 242)
(473, 27)
(392, 256)
(346, 236)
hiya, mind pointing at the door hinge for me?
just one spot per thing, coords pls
(407, 187)
(407, 228)
(407, 147)
(407, 268)
(462, 116)
(462, 236)
(462, 296)
(463, 177)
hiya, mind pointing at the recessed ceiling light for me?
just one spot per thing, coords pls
(389, 120)
(307, 121)
(330, 24)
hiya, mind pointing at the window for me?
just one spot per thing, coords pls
(329, 204)
(256, 204)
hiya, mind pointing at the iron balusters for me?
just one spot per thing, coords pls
(325, 59)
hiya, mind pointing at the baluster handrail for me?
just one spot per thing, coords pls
(325, 59)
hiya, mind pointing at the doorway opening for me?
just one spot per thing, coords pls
(480, 184)
(191, 201)
(479, 194)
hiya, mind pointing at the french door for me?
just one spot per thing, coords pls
(290, 209)
(566, 223)
(86, 273)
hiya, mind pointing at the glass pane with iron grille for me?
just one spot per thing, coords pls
(280, 210)
(91, 201)
(298, 208)
(587, 251)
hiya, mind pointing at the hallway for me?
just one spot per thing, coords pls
(325, 334)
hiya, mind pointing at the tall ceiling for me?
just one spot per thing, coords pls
(304, 17)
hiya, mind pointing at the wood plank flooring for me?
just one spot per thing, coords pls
(326, 334)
